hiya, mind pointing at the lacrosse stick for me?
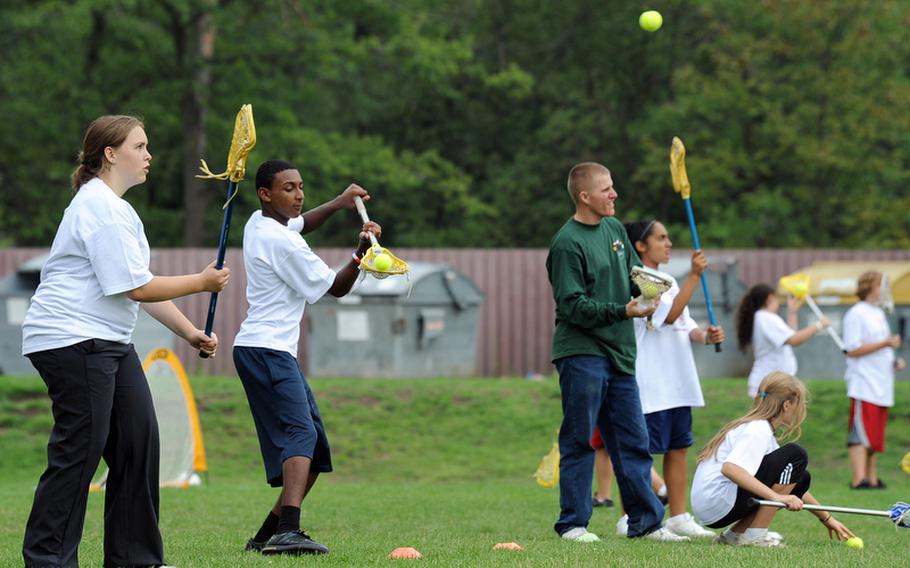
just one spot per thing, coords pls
(547, 474)
(886, 300)
(797, 285)
(681, 186)
(652, 284)
(368, 262)
(899, 513)
(242, 141)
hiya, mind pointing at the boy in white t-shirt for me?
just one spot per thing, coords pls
(665, 370)
(871, 364)
(283, 275)
(744, 461)
(772, 340)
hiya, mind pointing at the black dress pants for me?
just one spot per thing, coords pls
(102, 407)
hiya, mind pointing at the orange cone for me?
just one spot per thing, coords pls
(405, 552)
(508, 546)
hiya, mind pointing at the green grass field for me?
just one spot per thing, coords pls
(445, 466)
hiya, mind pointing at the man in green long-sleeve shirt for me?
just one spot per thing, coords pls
(594, 352)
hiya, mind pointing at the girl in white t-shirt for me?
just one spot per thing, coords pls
(871, 364)
(772, 340)
(77, 333)
(665, 370)
(744, 461)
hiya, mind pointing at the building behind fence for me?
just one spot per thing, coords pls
(517, 316)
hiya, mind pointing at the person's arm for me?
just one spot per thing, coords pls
(699, 263)
(835, 527)
(714, 334)
(314, 218)
(892, 342)
(162, 288)
(747, 481)
(345, 278)
(173, 319)
(573, 305)
(807, 332)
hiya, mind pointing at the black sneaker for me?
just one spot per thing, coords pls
(254, 545)
(879, 485)
(864, 484)
(293, 542)
(607, 502)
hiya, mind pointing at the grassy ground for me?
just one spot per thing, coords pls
(445, 466)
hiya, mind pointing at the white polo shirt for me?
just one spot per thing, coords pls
(664, 367)
(713, 493)
(283, 274)
(769, 343)
(99, 253)
(870, 377)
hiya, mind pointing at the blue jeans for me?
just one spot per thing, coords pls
(595, 394)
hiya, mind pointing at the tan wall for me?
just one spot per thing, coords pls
(516, 319)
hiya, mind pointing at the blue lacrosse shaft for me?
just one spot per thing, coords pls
(219, 262)
(704, 281)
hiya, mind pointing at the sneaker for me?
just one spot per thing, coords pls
(254, 545)
(622, 526)
(685, 525)
(727, 537)
(761, 542)
(864, 484)
(663, 534)
(879, 485)
(293, 542)
(606, 502)
(775, 535)
(580, 534)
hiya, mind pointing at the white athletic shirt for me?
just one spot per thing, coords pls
(664, 367)
(99, 253)
(870, 377)
(282, 275)
(769, 343)
(713, 493)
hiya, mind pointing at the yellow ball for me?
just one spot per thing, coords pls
(382, 261)
(650, 21)
(855, 542)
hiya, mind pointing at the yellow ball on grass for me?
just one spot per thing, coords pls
(855, 542)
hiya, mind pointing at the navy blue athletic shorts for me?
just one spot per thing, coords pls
(670, 429)
(284, 410)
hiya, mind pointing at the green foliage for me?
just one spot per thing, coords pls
(463, 118)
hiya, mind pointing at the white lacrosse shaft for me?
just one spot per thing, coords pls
(361, 208)
(852, 511)
(818, 313)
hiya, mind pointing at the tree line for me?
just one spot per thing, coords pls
(462, 117)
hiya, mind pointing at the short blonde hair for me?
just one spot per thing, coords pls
(866, 282)
(580, 177)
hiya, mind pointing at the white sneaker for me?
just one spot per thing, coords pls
(727, 537)
(622, 526)
(665, 535)
(580, 534)
(761, 542)
(685, 525)
(775, 535)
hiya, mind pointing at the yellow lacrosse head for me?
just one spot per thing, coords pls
(242, 142)
(368, 263)
(905, 463)
(678, 168)
(797, 285)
